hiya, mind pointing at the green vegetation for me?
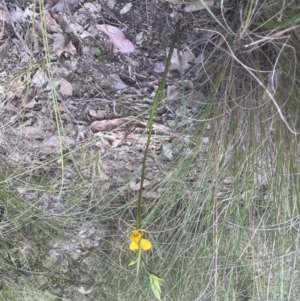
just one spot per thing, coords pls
(224, 222)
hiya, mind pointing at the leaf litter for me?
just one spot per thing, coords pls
(106, 62)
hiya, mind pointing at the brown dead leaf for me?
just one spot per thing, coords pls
(36, 130)
(83, 291)
(39, 79)
(66, 88)
(19, 89)
(92, 7)
(117, 38)
(195, 99)
(54, 142)
(109, 125)
(70, 48)
(33, 132)
(30, 104)
(66, 63)
(135, 185)
(37, 28)
(73, 2)
(137, 138)
(63, 108)
(116, 143)
(63, 23)
(67, 117)
(196, 7)
(186, 57)
(51, 24)
(179, 2)
(60, 72)
(51, 3)
(58, 43)
(117, 82)
(99, 114)
(18, 15)
(59, 7)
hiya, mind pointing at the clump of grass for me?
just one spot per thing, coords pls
(224, 226)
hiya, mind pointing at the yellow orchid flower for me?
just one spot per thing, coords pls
(138, 242)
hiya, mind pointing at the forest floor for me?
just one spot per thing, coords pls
(77, 83)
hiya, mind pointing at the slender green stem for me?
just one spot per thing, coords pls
(157, 97)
